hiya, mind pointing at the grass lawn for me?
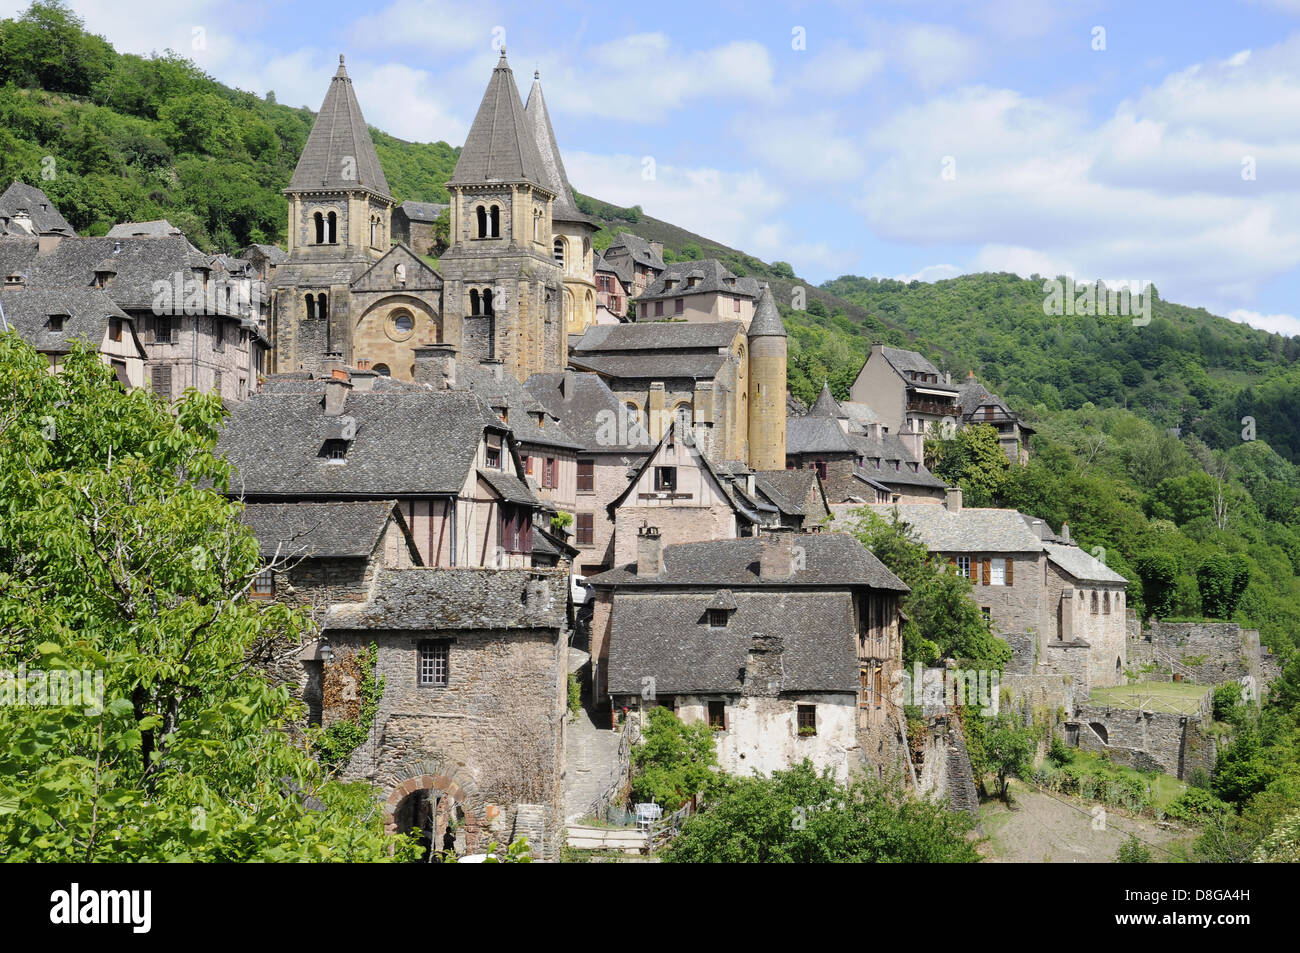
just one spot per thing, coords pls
(1182, 698)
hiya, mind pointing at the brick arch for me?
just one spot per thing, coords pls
(432, 776)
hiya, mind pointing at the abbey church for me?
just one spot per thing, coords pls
(516, 289)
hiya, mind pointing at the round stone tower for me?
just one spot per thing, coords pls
(767, 381)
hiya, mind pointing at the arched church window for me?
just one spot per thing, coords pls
(320, 228)
(473, 301)
(311, 307)
(332, 223)
(403, 322)
(399, 273)
(322, 306)
(537, 225)
(559, 252)
(487, 301)
(495, 216)
(481, 214)
(374, 233)
(382, 370)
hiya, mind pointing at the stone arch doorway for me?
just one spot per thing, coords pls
(438, 807)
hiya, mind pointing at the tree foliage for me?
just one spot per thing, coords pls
(673, 761)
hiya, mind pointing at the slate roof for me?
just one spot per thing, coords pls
(860, 415)
(825, 405)
(888, 448)
(1048, 535)
(639, 250)
(86, 314)
(971, 530)
(767, 320)
(500, 146)
(339, 154)
(655, 366)
(319, 530)
(814, 434)
(583, 403)
(137, 264)
(520, 404)
(903, 361)
(509, 487)
(1081, 565)
(46, 219)
(554, 177)
(667, 638)
(832, 559)
(659, 335)
(409, 441)
(713, 276)
(788, 489)
(272, 253)
(459, 599)
(423, 211)
(159, 228)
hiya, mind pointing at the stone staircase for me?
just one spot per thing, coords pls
(594, 766)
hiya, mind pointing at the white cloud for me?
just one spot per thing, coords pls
(1285, 324)
(432, 26)
(802, 147)
(931, 273)
(837, 71)
(936, 55)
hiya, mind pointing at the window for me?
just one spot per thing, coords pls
(487, 301)
(807, 720)
(963, 566)
(264, 584)
(1105, 603)
(432, 666)
(494, 217)
(403, 322)
(160, 379)
(115, 329)
(56, 322)
(987, 614)
(332, 229)
(718, 716)
(559, 252)
(551, 477)
(999, 573)
(717, 618)
(528, 465)
(336, 451)
(586, 529)
(1094, 603)
(659, 309)
(119, 368)
(473, 301)
(382, 370)
(586, 476)
(481, 214)
(735, 305)
(319, 220)
(218, 335)
(492, 459)
(666, 479)
(679, 305)
(514, 529)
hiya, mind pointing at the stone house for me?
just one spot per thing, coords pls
(798, 495)
(590, 414)
(264, 259)
(194, 326)
(27, 212)
(907, 392)
(635, 262)
(468, 745)
(786, 645)
(1060, 608)
(50, 320)
(864, 465)
(698, 291)
(448, 460)
(415, 226)
(979, 405)
(611, 293)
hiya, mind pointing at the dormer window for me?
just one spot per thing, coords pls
(13, 280)
(56, 321)
(335, 451)
(692, 282)
(115, 329)
(717, 618)
(117, 248)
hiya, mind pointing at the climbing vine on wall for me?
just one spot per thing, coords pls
(352, 685)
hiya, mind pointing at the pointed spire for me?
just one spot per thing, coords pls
(826, 405)
(499, 147)
(555, 178)
(339, 153)
(767, 320)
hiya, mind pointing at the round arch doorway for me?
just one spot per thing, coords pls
(435, 818)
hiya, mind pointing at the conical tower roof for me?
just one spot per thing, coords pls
(826, 405)
(339, 154)
(555, 179)
(767, 320)
(500, 146)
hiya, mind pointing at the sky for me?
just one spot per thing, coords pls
(1136, 141)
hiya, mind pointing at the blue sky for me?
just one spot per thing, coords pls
(1100, 139)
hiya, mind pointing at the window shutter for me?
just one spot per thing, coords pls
(160, 379)
(1010, 572)
(952, 561)
(986, 570)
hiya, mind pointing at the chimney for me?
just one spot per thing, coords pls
(874, 430)
(657, 248)
(952, 499)
(570, 383)
(776, 555)
(649, 551)
(1036, 527)
(337, 386)
(435, 365)
(46, 243)
(363, 381)
(947, 378)
(493, 364)
(1065, 532)
(764, 665)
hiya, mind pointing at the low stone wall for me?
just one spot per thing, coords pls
(945, 773)
(1146, 740)
(1206, 653)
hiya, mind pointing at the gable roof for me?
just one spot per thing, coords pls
(638, 249)
(423, 211)
(520, 404)
(711, 274)
(425, 598)
(410, 441)
(903, 361)
(887, 448)
(86, 310)
(45, 218)
(1081, 565)
(272, 253)
(815, 434)
(642, 336)
(970, 530)
(420, 276)
(668, 638)
(830, 559)
(585, 407)
(554, 177)
(339, 154)
(697, 454)
(159, 228)
(790, 490)
(499, 147)
(321, 530)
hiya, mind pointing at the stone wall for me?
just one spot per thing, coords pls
(1148, 741)
(945, 773)
(1206, 653)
